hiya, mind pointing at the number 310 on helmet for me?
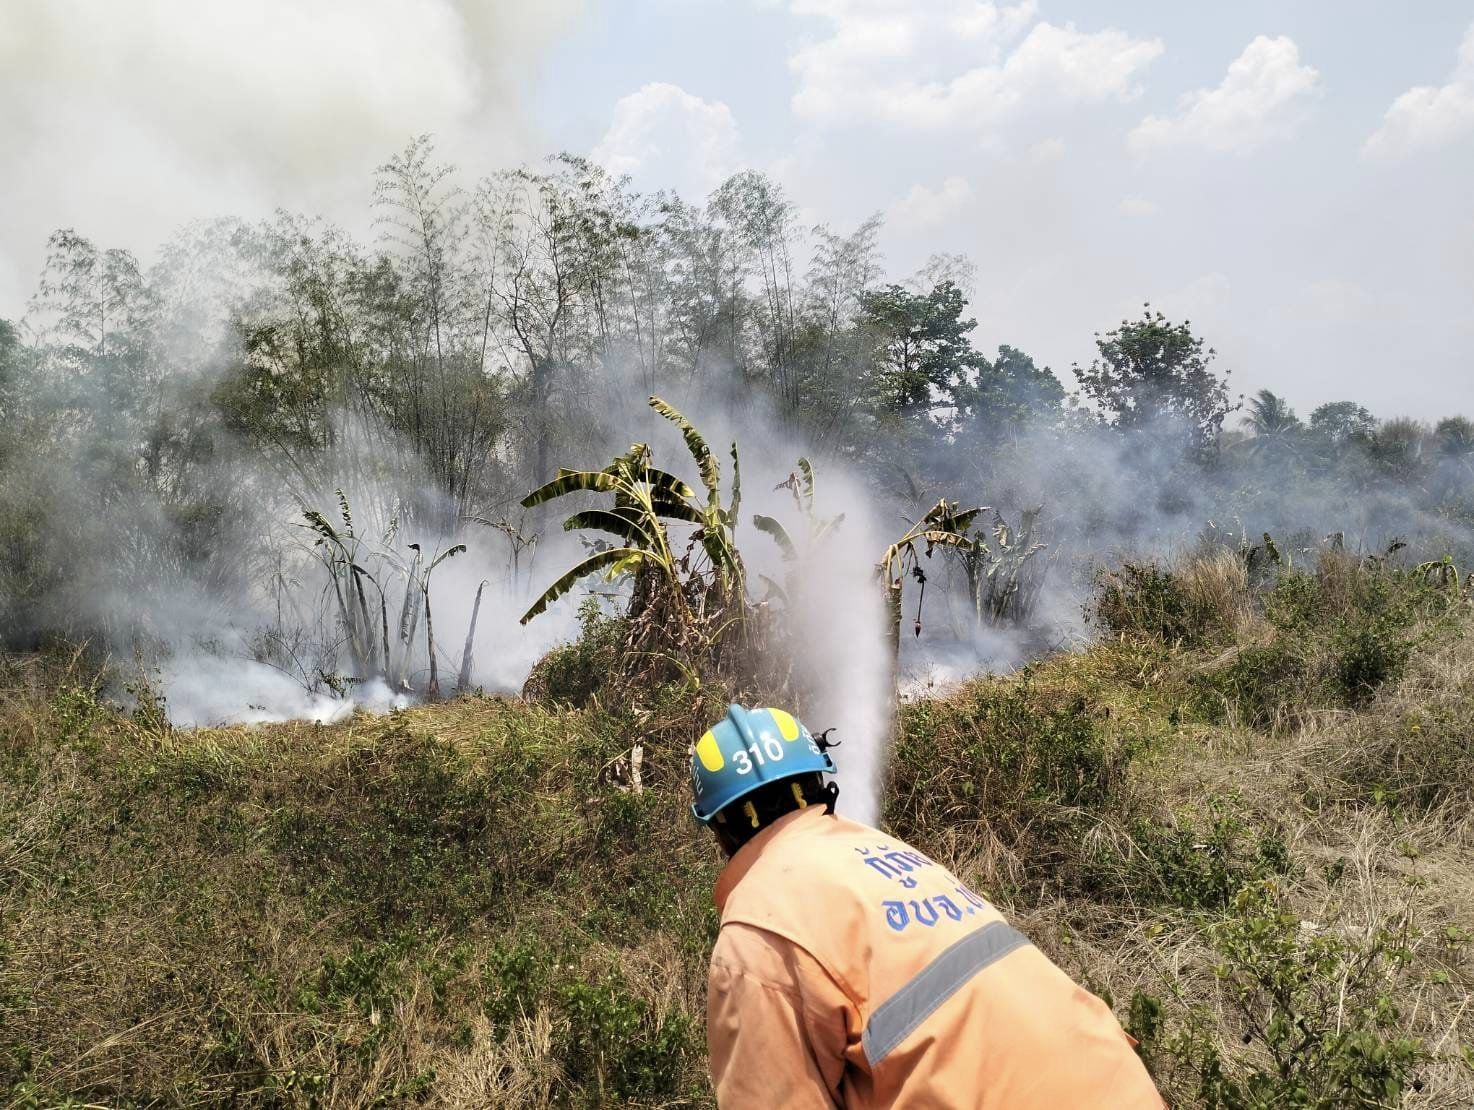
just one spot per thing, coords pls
(746, 750)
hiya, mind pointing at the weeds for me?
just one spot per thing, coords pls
(452, 906)
(1317, 1007)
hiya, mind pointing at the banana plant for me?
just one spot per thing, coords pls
(433, 689)
(1443, 573)
(945, 525)
(800, 483)
(1001, 578)
(363, 599)
(645, 500)
(344, 554)
(718, 524)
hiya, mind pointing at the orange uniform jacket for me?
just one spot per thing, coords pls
(853, 971)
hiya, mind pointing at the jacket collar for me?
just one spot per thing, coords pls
(747, 855)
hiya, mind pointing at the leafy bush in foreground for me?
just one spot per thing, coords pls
(1317, 1007)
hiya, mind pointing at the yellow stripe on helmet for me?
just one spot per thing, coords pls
(709, 753)
(786, 724)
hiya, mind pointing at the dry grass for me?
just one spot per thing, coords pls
(1367, 808)
(515, 1068)
(447, 906)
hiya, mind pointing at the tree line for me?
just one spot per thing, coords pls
(491, 333)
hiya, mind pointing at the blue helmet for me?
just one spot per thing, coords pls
(745, 751)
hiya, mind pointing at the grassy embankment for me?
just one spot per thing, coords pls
(1243, 815)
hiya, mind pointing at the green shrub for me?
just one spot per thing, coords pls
(620, 1047)
(1334, 639)
(574, 673)
(1315, 1010)
(1199, 861)
(515, 978)
(1414, 751)
(75, 708)
(1003, 748)
(1266, 686)
(1147, 599)
(1367, 654)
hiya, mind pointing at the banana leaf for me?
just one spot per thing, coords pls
(706, 462)
(571, 481)
(665, 484)
(731, 514)
(677, 510)
(448, 553)
(807, 469)
(623, 557)
(624, 523)
(771, 527)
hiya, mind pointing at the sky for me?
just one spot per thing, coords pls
(1295, 179)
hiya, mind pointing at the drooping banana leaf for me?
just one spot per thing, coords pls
(674, 509)
(722, 554)
(625, 558)
(448, 553)
(933, 536)
(624, 523)
(665, 484)
(825, 527)
(772, 527)
(732, 509)
(571, 481)
(774, 590)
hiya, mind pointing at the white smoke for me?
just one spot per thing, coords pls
(132, 117)
(202, 690)
(837, 628)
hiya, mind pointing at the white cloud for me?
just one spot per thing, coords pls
(664, 137)
(132, 118)
(955, 64)
(1263, 97)
(1138, 206)
(922, 207)
(1427, 116)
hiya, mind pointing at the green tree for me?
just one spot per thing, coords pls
(829, 348)
(9, 360)
(1152, 372)
(10, 354)
(1271, 415)
(756, 215)
(1454, 437)
(1007, 394)
(1399, 447)
(922, 354)
(1275, 426)
(1341, 422)
(1452, 480)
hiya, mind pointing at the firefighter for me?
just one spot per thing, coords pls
(853, 971)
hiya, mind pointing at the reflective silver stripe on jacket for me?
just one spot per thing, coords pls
(898, 1016)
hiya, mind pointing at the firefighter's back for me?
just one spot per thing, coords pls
(944, 1003)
